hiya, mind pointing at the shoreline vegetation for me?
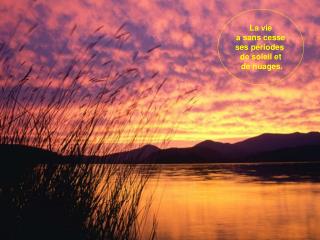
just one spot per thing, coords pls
(82, 104)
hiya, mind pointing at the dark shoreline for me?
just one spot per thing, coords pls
(25, 155)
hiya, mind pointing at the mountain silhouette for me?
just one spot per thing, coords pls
(265, 147)
(271, 142)
(141, 154)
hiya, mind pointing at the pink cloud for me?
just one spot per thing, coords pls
(188, 33)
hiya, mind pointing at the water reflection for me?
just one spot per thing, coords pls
(237, 201)
(261, 172)
(204, 201)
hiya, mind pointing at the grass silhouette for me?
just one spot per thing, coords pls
(84, 108)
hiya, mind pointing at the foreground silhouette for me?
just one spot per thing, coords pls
(71, 202)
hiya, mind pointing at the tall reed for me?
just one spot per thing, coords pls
(90, 103)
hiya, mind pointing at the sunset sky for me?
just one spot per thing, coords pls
(223, 107)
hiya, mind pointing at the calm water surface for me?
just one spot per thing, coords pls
(236, 201)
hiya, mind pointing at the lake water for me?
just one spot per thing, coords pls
(236, 201)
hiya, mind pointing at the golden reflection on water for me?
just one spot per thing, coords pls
(231, 206)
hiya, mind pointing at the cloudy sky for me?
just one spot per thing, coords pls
(223, 107)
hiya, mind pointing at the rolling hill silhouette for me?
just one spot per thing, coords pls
(265, 147)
